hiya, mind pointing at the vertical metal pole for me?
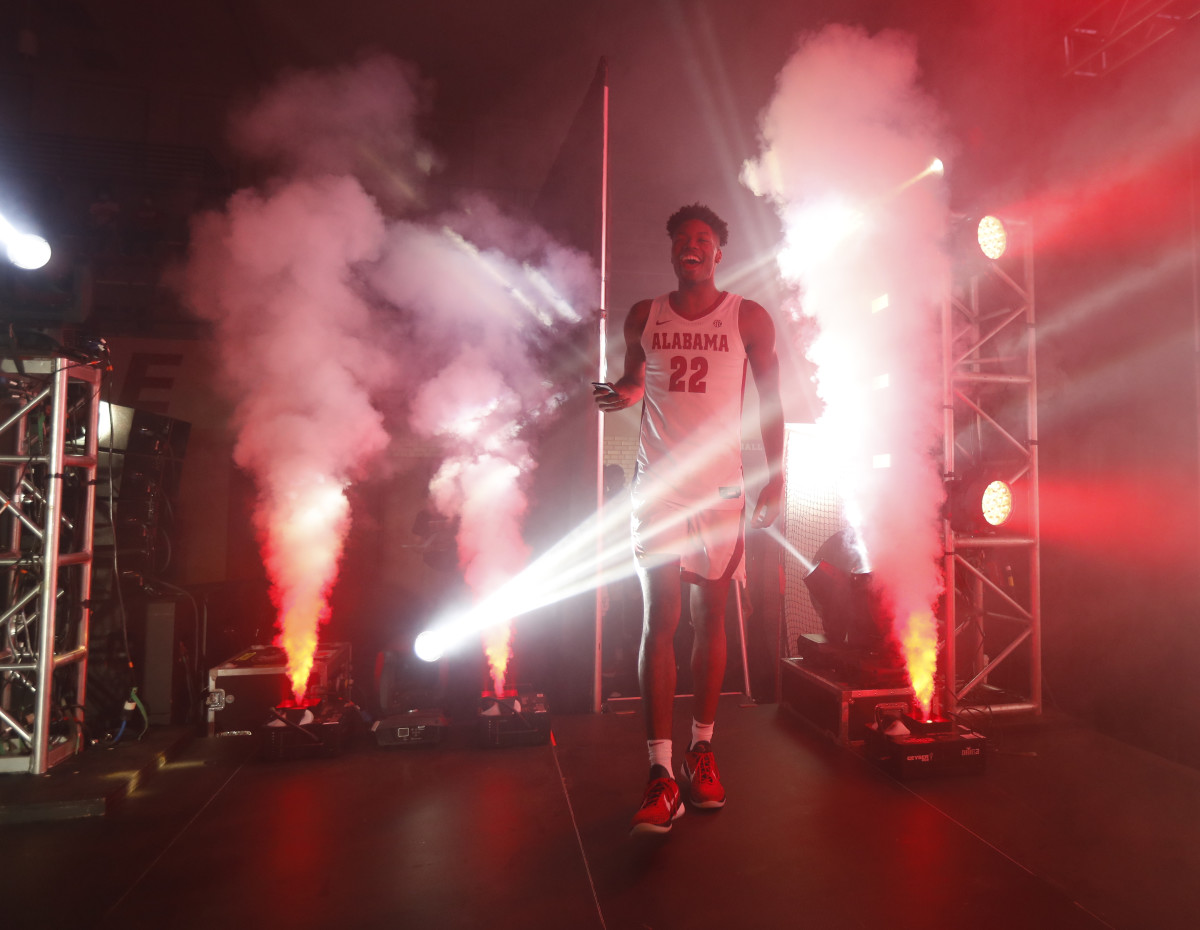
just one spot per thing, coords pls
(1035, 551)
(92, 452)
(1195, 197)
(949, 653)
(976, 631)
(602, 368)
(737, 593)
(49, 583)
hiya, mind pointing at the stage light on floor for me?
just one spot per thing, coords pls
(832, 596)
(855, 644)
(28, 251)
(430, 646)
(25, 250)
(419, 727)
(520, 717)
(310, 727)
(992, 237)
(907, 747)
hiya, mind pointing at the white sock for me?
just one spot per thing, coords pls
(701, 731)
(660, 752)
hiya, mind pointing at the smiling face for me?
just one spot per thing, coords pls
(694, 252)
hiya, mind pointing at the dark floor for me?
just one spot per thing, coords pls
(1067, 829)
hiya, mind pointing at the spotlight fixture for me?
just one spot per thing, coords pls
(430, 646)
(321, 726)
(981, 504)
(25, 250)
(28, 251)
(855, 644)
(832, 596)
(996, 503)
(992, 237)
(520, 717)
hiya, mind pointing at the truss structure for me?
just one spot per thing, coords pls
(1116, 31)
(48, 456)
(991, 640)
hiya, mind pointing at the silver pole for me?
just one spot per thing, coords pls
(602, 368)
(49, 583)
(737, 593)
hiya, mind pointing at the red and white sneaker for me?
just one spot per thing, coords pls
(661, 806)
(699, 773)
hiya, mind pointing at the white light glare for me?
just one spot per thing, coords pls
(936, 167)
(25, 250)
(29, 251)
(814, 232)
(430, 646)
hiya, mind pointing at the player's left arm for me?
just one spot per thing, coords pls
(758, 336)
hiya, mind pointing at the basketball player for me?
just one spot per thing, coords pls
(685, 360)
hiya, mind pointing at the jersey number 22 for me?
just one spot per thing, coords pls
(679, 374)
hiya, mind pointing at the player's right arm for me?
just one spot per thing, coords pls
(628, 390)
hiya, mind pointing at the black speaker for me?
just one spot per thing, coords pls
(167, 669)
(141, 463)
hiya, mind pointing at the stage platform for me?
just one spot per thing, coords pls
(1066, 829)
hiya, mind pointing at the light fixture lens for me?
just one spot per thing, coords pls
(993, 237)
(429, 646)
(28, 251)
(997, 503)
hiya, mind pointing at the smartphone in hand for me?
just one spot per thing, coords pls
(604, 386)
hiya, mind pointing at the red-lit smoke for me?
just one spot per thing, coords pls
(326, 303)
(846, 140)
(483, 288)
(273, 271)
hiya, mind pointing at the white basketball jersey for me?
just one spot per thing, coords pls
(690, 448)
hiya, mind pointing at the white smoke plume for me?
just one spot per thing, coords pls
(846, 140)
(479, 314)
(325, 302)
(356, 121)
(274, 273)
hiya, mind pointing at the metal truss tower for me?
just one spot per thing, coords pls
(48, 457)
(1112, 33)
(991, 646)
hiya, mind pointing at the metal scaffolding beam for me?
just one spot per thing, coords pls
(48, 454)
(991, 635)
(1117, 31)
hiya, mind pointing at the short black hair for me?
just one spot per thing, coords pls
(698, 211)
